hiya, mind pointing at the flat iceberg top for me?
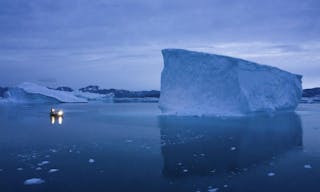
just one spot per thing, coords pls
(62, 96)
(195, 83)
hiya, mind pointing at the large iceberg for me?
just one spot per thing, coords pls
(195, 83)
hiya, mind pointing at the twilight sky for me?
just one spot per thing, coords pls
(117, 43)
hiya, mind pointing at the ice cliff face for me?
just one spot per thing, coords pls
(194, 83)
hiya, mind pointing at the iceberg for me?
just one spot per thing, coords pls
(195, 83)
(94, 96)
(33, 93)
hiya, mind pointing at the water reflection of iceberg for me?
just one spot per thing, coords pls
(201, 146)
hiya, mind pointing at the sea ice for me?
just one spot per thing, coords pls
(194, 83)
(91, 161)
(33, 93)
(43, 163)
(34, 181)
(53, 170)
(271, 174)
(307, 166)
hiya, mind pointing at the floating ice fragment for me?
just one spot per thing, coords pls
(185, 170)
(213, 189)
(91, 161)
(233, 148)
(225, 186)
(53, 170)
(43, 163)
(34, 181)
(307, 166)
(38, 168)
(271, 174)
(19, 169)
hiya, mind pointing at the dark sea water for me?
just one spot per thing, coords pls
(129, 147)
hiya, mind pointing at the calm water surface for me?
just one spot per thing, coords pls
(129, 147)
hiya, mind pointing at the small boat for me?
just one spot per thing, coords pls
(56, 113)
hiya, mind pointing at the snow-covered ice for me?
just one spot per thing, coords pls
(93, 96)
(61, 96)
(30, 92)
(91, 161)
(194, 83)
(34, 181)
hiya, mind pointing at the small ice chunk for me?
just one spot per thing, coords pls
(271, 174)
(225, 186)
(129, 141)
(53, 170)
(38, 168)
(213, 189)
(53, 150)
(179, 163)
(91, 161)
(233, 148)
(19, 169)
(43, 163)
(34, 181)
(185, 170)
(307, 166)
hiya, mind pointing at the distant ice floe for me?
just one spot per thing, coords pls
(91, 161)
(34, 181)
(33, 93)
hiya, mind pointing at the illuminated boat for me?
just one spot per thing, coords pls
(56, 113)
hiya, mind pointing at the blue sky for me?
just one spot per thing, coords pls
(117, 43)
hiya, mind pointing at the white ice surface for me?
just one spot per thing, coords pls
(195, 83)
(62, 96)
(93, 96)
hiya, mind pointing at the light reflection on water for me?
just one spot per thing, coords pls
(54, 119)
